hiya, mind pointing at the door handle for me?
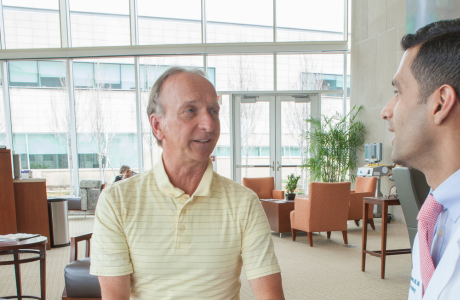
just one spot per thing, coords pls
(273, 166)
(279, 166)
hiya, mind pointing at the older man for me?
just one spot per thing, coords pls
(181, 231)
(424, 114)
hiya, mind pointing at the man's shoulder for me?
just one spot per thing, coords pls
(132, 186)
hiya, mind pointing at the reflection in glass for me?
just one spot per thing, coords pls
(2, 116)
(99, 23)
(294, 148)
(310, 20)
(105, 118)
(223, 144)
(310, 72)
(243, 72)
(239, 21)
(40, 122)
(169, 22)
(31, 24)
(255, 133)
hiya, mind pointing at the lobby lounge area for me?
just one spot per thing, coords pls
(75, 83)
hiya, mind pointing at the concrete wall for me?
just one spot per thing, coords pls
(377, 29)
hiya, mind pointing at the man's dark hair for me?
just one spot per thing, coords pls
(438, 59)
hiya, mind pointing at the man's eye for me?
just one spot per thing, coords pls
(190, 110)
(215, 111)
(396, 92)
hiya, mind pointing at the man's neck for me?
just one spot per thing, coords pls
(441, 165)
(184, 176)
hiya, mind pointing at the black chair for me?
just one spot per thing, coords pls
(78, 282)
(412, 190)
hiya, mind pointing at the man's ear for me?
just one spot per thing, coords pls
(445, 99)
(157, 126)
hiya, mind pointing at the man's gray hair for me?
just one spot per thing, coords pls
(155, 105)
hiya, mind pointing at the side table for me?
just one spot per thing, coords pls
(278, 214)
(26, 246)
(385, 202)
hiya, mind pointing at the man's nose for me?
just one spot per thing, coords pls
(387, 111)
(207, 122)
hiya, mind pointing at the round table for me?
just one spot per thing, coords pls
(26, 246)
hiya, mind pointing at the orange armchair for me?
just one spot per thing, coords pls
(326, 209)
(364, 187)
(264, 187)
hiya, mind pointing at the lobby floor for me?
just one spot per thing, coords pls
(329, 270)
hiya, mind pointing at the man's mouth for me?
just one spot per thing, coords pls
(202, 141)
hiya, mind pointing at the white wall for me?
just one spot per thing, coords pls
(377, 29)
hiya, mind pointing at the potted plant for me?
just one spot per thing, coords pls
(334, 144)
(291, 186)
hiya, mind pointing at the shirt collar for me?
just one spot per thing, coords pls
(203, 190)
(448, 195)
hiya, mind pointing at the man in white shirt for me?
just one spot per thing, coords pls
(424, 114)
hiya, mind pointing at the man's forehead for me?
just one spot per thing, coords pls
(404, 72)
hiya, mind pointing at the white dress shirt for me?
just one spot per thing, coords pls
(448, 195)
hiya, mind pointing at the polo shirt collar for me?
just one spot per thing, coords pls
(447, 194)
(203, 190)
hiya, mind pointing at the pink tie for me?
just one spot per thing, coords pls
(427, 218)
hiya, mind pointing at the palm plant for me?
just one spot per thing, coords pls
(334, 144)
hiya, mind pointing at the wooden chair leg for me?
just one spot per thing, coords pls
(328, 234)
(357, 222)
(371, 222)
(294, 233)
(310, 238)
(345, 237)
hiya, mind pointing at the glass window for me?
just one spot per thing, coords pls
(239, 21)
(310, 20)
(40, 125)
(169, 22)
(243, 72)
(127, 77)
(2, 116)
(223, 144)
(31, 24)
(23, 73)
(151, 68)
(83, 74)
(105, 119)
(309, 71)
(99, 23)
(108, 76)
(51, 73)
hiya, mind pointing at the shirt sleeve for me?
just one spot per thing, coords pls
(257, 250)
(109, 249)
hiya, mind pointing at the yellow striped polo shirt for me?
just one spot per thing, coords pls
(181, 247)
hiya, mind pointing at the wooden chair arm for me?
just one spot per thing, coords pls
(74, 245)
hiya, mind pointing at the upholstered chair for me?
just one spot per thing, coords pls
(325, 209)
(264, 187)
(364, 187)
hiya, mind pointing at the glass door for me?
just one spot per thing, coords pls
(270, 136)
(292, 147)
(254, 144)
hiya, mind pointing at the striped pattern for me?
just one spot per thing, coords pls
(179, 247)
(427, 218)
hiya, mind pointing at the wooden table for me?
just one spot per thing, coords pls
(26, 246)
(385, 202)
(278, 215)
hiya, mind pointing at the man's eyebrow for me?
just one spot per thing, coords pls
(394, 82)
